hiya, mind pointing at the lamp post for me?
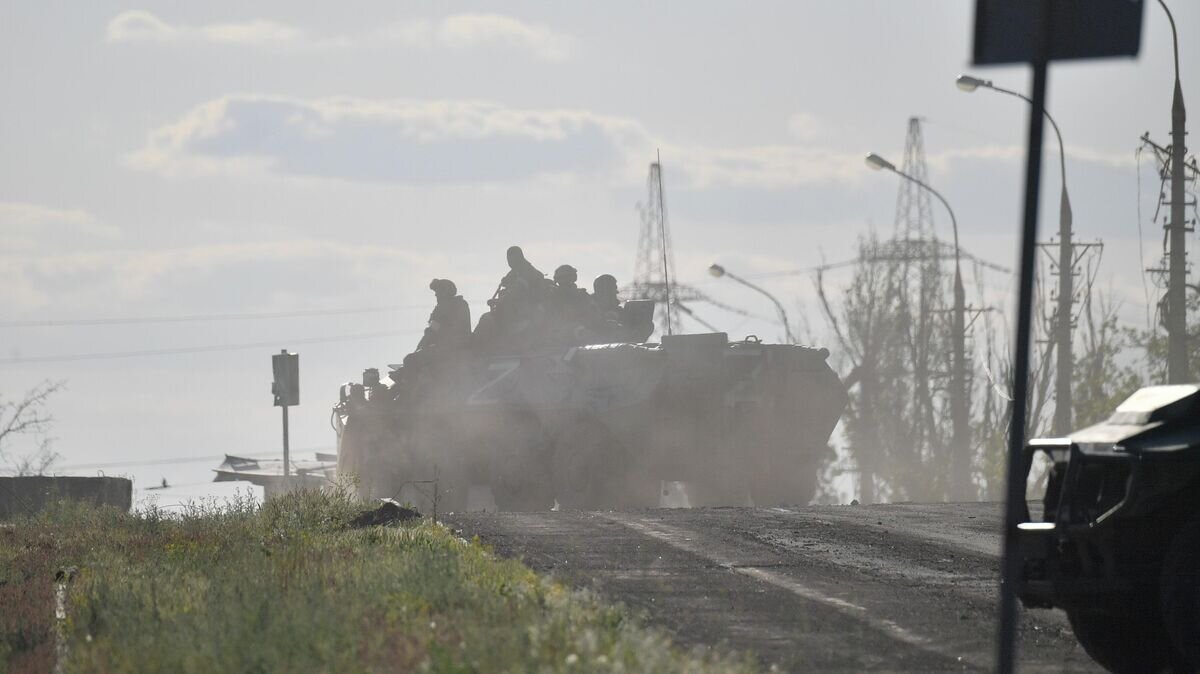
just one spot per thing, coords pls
(1065, 365)
(1177, 351)
(718, 271)
(960, 460)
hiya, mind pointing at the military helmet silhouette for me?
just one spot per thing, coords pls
(443, 286)
(566, 273)
(605, 283)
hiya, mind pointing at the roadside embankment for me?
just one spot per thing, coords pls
(289, 586)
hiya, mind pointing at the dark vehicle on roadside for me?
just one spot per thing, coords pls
(1118, 543)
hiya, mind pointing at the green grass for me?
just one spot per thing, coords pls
(287, 587)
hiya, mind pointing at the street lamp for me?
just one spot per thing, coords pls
(1177, 351)
(1066, 265)
(718, 271)
(960, 461)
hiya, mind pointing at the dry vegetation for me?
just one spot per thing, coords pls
(289, 587)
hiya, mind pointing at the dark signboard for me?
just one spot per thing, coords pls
(286, 387)
(1006, 30)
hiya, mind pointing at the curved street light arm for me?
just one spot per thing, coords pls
(1174, 37)
(953, 220)
(1062, 149)
(787, 328)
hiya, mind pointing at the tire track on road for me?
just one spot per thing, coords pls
(681, 540)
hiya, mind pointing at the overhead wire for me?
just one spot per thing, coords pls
(1137, 158)
(140, 353)
(190, 318)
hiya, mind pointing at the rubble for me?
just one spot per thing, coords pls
(388, 512)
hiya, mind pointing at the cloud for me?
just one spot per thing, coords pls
(142, 26)
(468, 31)
(28, 226)
(252, 32)
(253, 274)
(440, 141)
(137, 25)
(1016, 153)
(385, 140)
(457, 31)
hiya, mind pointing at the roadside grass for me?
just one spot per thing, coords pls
(289, 587)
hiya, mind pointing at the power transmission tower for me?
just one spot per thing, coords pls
(914, 214)
(654, 270)
(915, 228)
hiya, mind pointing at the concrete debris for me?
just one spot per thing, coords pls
(389, 511)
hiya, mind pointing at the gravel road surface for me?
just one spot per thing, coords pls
(899, 587)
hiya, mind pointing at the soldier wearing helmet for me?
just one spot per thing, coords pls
(604, 295)
(570, 307)
(450, 323)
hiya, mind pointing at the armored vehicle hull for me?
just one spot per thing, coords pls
(1118, 543)
(600, 426)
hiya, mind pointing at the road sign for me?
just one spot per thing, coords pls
(1006, 31)
(286, 386)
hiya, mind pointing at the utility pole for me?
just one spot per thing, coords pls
(1065, 366)
(1177, 351)
(1063, 326)
(1172, 165)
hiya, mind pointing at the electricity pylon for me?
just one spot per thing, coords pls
(654, 270)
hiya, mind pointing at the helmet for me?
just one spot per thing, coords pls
(566, 273)
(605, 283)
(443, 286)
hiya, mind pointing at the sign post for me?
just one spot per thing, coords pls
(286, 388)
(1037, 32)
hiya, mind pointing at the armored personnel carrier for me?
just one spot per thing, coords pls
(1118, 543)
(596, 426)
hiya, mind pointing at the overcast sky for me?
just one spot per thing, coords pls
(186, 158)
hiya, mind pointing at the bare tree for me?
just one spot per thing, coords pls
(1102, 381)
(893, 325)
(996, 403)
(24, 417)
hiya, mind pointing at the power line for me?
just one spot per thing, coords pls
(54, 323)
(850, 263)
(804, 270)
(199, 349)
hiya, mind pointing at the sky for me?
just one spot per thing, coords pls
(325, 161)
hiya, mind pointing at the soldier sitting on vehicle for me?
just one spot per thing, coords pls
(606, 320)
(520, 269)
(604, 296)
(569, 311)
(570, 302)
(450, 323)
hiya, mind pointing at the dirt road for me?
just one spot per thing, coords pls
(849, 588)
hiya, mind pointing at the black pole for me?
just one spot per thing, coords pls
(1015, 497)
(287, 460)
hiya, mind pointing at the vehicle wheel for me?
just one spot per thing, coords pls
(1181, 593)
(1124, 639)
(591, 469)
(519, 472)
